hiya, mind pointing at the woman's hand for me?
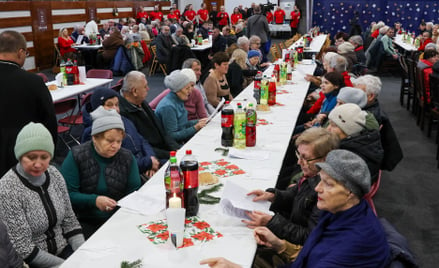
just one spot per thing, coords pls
(257, 218)
(104, 203)
(219, 262)
(262, 195)
(266, 238)
(200, 124)
(320, 117)
(155, 163)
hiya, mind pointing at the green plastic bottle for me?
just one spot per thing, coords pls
(239, 127)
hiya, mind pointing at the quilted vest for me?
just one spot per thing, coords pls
(116, 172)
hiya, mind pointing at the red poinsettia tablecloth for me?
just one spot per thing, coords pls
(196, 231)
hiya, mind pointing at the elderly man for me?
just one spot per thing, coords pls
(195, 65)
(258, 25)
(24, 95)
(243, 43)
(134, 107)
(164, 44)
(392, 149)
(219, 42)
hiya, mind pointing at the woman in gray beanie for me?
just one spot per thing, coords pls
(99, 172)
(34, 203)
(350, 124)
(171, 110)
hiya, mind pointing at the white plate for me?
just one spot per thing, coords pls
(307, 62)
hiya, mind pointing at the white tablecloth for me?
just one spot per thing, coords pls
(279, 27)
(315, 46)
(408, 47)
(69, 91)
(119, 239)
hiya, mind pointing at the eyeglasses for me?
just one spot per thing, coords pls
(26, 52)
(299, 157)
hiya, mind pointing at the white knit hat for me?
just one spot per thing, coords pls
(352, 95)
(349, 118)
(176, 81)
(190, 74)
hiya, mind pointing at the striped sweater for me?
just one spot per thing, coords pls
(37, 218)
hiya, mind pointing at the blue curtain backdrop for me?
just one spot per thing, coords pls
(333, 16)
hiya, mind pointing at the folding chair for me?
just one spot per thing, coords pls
(66, 109)
(118, 86)
(45, 79)
(155, 62)
(373, 190)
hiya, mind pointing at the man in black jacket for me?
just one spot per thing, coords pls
(23, 97)
(163, 43)
(134, 107)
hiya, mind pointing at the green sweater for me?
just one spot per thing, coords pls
(85, 204)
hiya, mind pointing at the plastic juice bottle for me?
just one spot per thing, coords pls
(250, 129)
(173, 180)
(189, 167)
(283, 73)
(264, 91)
(239, 128)
(272, 91)
(62, 69)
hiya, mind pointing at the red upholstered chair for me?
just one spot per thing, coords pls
(153, 104)
(100, 73)
(45, 79)
(373, 190)
(66, 109)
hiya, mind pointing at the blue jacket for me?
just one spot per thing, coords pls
(133, 141)
(350, 238)
(121, 62)
(173, 116)
(329, 102)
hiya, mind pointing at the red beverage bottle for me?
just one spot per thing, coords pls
(76, 72)
(250, 127)
(174, 181)
(189, 167)
(227, 118)
(272, 91)
(276, 72)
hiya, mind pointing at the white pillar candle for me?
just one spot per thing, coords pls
(175, 202)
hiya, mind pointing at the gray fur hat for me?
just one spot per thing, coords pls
(348, 169)
(176, 81)
(353, 95)
(104, 120)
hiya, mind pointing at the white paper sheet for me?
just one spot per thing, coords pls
(249, 154)
(218, 107)
(235, 201)
(142, 203)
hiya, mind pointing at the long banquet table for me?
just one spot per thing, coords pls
(73, 90)
(119, 238)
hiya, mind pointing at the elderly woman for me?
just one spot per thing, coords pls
(147, 163)
(34, 203)
(295, 208)
(358, 133)
(347, 50)
(216, 85)
(171, 111)
(255, 44)
(99, 172)
(65, 43)
(348, 233)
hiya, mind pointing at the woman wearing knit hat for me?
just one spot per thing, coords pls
(143, 152)
(357, 135)
(348, 233)
(34, 202)
(171, 111)
(100, 172)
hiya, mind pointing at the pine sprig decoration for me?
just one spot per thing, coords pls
(204, 196)
(135, 264)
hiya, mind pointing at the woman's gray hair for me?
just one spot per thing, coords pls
(189, 62)
(254, 39)
(339, 63)
(239, 26)
(131, 79)
(373, 84)
(242, 40)
(384, 29)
